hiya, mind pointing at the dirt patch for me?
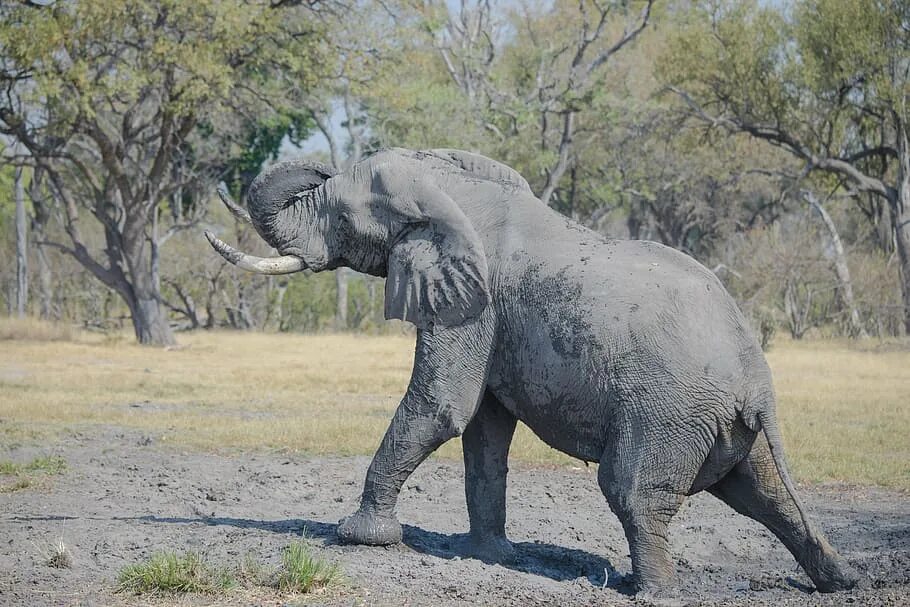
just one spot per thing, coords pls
(123, 498)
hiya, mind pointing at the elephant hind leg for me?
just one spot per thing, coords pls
(645, 482)
(754, 488)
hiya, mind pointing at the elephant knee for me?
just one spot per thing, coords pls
(452, 423)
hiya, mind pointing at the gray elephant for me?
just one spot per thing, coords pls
(625, 353)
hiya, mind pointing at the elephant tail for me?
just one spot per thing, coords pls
(768, 423)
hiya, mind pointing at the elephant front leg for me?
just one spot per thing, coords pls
(486, 443)
(411, 437)
(450, 367)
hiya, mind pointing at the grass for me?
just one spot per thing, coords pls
(302, 571)
(57, 555)
(173, 573)
(35, 330)
(29, 474)
(845, 410)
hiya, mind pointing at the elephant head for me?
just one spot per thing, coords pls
(385, 217)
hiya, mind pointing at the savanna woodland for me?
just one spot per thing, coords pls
(769, 140)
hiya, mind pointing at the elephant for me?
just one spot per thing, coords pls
(624, 353)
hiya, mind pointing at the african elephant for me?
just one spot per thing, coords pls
(625, 353)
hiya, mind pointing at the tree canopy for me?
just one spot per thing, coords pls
(130, 109)
(767, 140)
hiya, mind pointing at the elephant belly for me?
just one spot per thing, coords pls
(632, 331)
(563, 401)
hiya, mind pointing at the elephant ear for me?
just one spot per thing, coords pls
(437, 269)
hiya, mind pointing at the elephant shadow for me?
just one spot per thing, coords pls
(537, 558)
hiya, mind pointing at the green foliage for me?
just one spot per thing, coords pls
(309, 304)
(205, 55)
(172, 573)
(823, 80)
(135, 108)
(827, 73)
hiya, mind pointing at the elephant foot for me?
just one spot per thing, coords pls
(659, 595)
(844, 577)
(370, 528)
(659, 598)
(662, 592)
(492, 549)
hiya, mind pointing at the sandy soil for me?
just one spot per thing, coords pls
(126, 496)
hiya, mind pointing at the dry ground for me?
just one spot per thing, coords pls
(124, 497)
(232, 443)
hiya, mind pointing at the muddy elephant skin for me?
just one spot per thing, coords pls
(625, 353)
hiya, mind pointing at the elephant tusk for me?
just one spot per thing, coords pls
(236, 210)
(286, 264)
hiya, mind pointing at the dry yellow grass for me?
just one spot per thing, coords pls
(36, 330)
(845, 412)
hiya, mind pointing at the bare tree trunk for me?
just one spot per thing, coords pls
(278, 303)
(341, 299)
(143, 293)
(900, 221)
(555, 174)
(40, 219)
(796, 310)
(150, 323)
(46, 290)
(21, 247)
(189, 304)
(856, 328)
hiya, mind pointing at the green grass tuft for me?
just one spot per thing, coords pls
(26, 473)
(302, 571)
(172, 573)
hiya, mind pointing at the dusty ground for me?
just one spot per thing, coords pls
(124, 497)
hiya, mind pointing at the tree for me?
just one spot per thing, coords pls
(127, 107)
(21, 245)
(522, 85)
(828, 82)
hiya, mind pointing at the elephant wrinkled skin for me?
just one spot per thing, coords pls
(625, 353)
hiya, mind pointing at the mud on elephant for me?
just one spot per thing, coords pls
(624, 353)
